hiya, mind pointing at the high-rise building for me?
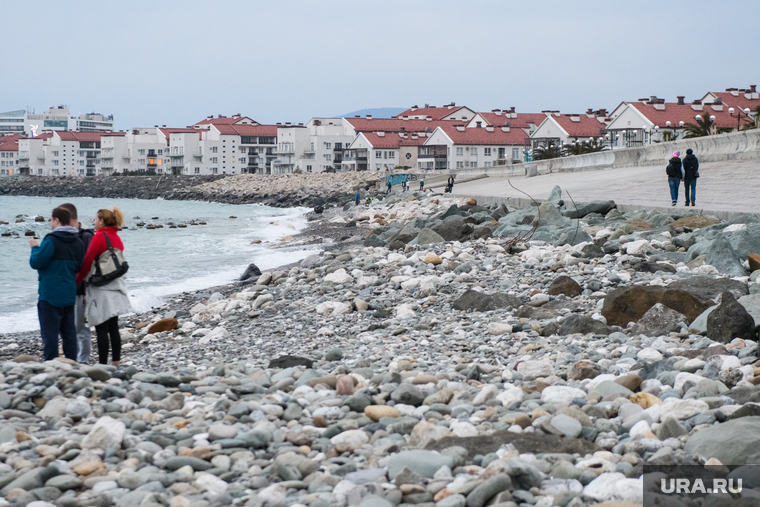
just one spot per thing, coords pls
(55, 118)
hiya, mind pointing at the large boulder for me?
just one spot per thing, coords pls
(576, 324)
(565, 285)
(658, 320)
(708, 289)
(482, 302)
(730, 320)
(736, 442)
(106, 434)
(453, 228)
(752, 305)
(584, 208)
(423, 463)
(427, 237)
(722, 256)
(250, 272)
(629, 304)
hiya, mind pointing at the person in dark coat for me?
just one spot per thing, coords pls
(675, 175)
(57, 261)
(84, 335)
(690, 175)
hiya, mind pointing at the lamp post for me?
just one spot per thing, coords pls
(739, 115)
(624, 138)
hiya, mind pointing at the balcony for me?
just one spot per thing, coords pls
(127, 155)
(198, 153)
(23, 155)
(177, 151)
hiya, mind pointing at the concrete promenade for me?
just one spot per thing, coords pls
(728, 186)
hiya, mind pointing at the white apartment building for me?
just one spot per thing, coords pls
(138, 150)
(9, 155)
(458, 147)
(62, 153)
(292, 141)
(328, 139)
(448, 112)
(55, 118)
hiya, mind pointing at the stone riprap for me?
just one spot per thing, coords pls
(352, 378)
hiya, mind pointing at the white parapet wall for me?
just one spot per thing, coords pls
(743, 145)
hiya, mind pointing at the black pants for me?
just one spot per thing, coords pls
(54, 321)
(104, 330)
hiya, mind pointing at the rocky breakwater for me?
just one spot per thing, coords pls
(285, 190)
(127, 187)
(439, 372)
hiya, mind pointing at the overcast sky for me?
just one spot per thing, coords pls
(175, 62)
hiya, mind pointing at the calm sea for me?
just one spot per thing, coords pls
(162, 261)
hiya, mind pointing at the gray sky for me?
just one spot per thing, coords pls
(175, 62)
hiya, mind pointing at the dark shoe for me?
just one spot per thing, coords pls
(673, 203)
(686, 203)
(692, 203)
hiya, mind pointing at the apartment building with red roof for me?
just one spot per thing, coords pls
(558, 129)
(457, 147)
(384, 151)
(9, 154)
(449, 112)
(529, 122)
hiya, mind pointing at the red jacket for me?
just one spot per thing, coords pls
(98, 246)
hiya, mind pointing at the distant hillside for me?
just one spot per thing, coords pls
(378, 112)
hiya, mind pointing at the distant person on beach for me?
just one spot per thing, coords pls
(451, 183)
(422, 185)
(57, 261)
(84, 336)
(107, 302)
(358, 198)
(690, 175)
(389, 186)
(675, 175)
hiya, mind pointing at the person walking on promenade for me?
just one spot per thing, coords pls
(690, 175)
(389, 185)
(57, 261)
(451, 182)
(107, 302)
(84, 336)
(422, 184)
(675, 175)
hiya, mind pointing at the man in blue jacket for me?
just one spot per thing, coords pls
(58, 260)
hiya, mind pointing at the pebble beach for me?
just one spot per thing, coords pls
(434, 351)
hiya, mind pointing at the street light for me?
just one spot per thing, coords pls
(739, 115)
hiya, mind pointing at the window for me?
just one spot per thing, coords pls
(242, 160)
(486, 164)
(338, 146)
(328, 157)
(308, 168)
(328, 146)
(141, 152)
(160, 152)
(460, 165)
(460, 151)
(515, 154)
(55, 162)
(487, 152)
(197, 170)
(81, 162)
(214, 160)
(391, 154)
(215, 170)
(214, 149)
(378, 154)
(141, 161)
(55, 153)
(474, 150)
(39, 171)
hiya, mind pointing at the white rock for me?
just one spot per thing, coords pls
(561, 394)
(463, 429)
(510, 395)
(333, 308)
(340, 491)
(682, 409)
(639, 247)
(684, 377)
(106, 434)
(603, 487)
(541, 368)
(264, 298)
(404, 311)
(649, 355)
(339, 277)
(735, 227)
(273, 494)
(352, 438)
(730, 361)
(217, 334)
(210, 483)
(499, 328)
(200, 307)
(640, 428)
(488, 392)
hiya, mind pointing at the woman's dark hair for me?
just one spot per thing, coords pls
(62, 215)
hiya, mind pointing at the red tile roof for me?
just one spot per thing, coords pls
(11, 145)
(247, 130)
(393, 140)
(224, 120)
(676, 113)
(741, 100)
(585, 126)
(523, 120)
(482, 136)
(69, 135)
(435, 113)
(392, 125)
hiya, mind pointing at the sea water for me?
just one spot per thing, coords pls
(162, 262)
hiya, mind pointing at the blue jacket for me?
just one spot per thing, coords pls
(58, 260)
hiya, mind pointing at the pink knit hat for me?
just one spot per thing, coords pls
(676, 153)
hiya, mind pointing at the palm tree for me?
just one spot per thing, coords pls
(753, 122)
(547, 152)
(667, 136)
(704, 127)
(594, 145)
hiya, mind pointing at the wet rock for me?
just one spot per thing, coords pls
(730, 320)
(481, 302)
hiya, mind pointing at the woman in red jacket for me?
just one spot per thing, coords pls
(107, 302)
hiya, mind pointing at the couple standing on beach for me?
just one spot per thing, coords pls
(686, 171)
(66, 261)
